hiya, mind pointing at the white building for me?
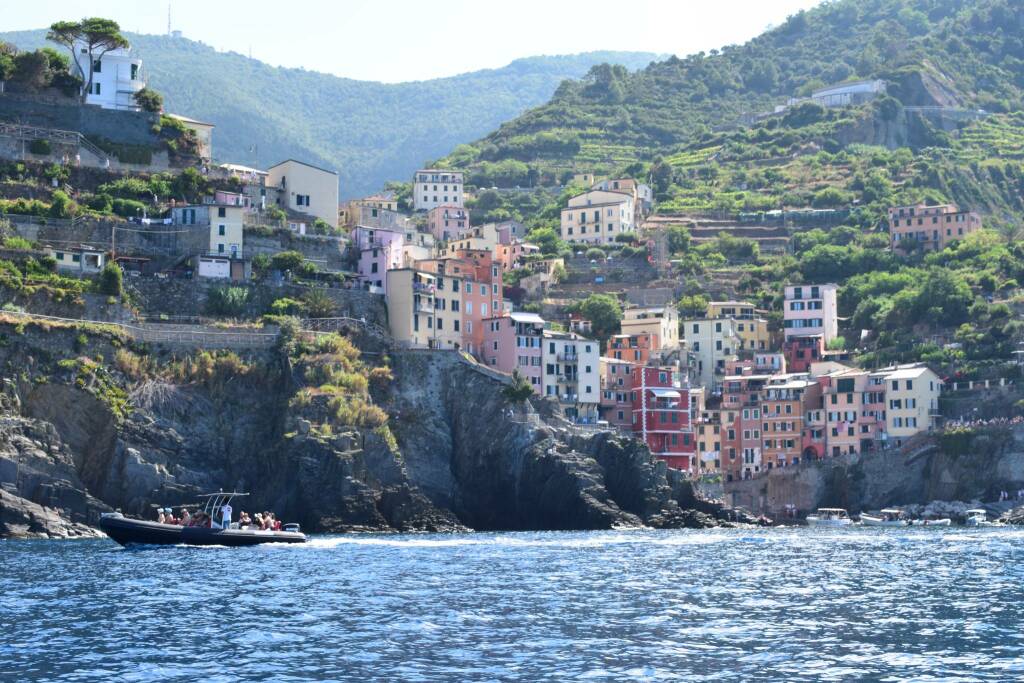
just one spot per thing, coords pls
(911, 400)
(710, 344)
(598, 216)
(809, 311)
(116, 77)
(572, 373)
(435, 187)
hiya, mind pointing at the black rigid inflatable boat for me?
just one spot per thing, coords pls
(127, 531)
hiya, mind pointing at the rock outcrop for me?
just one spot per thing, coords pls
(455, 455)
(20, 518)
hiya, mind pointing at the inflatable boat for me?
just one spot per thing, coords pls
(128, 531)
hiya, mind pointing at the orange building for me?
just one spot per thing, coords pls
(635, 348)
(930, 227)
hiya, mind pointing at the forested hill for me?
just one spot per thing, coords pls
(931, 52)
(370, 132)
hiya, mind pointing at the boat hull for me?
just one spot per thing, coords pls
(933, 522)
(815, 521)
(139, 532)
(867, 520)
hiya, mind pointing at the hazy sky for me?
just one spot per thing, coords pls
(401, 40)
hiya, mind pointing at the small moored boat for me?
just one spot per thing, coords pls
(944, 521)
(886, 518)
(127, 531)
(829, 517)
(979, 517)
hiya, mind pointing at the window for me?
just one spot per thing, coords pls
(220, 230)
(220, 248)
(97, 66)
(96, 88)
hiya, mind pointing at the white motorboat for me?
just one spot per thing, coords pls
(945, 521)
(979, 517)
(829, 517)
(887, 517)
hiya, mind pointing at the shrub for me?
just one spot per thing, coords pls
(62, 206)
(111, 279)
(228, 301)
(318, 304)
(149, 100)
(595, 254)
(18, 243)
(287, 306)
(39, 146)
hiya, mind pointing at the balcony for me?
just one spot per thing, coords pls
(427, 287)
(425, 307)
(569, 357)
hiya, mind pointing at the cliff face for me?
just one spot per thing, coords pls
(456, 454)
(972, 467)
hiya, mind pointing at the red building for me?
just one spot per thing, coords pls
(800, 352)
(661, 416)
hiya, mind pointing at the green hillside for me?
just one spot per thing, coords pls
(930, 52)
(370, 132)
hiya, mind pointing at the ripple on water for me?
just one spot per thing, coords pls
(720, 605)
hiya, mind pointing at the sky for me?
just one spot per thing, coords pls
(404, 40)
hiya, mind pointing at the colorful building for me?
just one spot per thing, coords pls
(598, 217)
(662, 417)
(741, 425)
(661, 322)
(785, 402)
(515, 342)
(305, 189)
(929, 227)
(801, 352)
(751, 329)
(616, 406)
(711, 343)
(635, 348)
(447, 222)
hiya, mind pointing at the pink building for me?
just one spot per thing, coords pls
(224, 198)
(447, 222)
(379, 252)
(515, 342)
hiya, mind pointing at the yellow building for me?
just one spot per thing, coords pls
(305, 188)
(911, 400)
(226, 230)
(751, 330)
(422, 311)
(662, 321)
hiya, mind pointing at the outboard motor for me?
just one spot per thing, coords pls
(294, 528)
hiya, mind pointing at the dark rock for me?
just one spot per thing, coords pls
(21, 518)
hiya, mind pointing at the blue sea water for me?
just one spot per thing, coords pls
(719, 605)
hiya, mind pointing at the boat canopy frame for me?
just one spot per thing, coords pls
(215, 501)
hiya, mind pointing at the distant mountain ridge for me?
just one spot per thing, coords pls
(370, 132)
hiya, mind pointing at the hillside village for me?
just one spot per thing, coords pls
(681, 327)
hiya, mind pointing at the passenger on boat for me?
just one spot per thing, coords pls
(160, 516)
(225, 512)
(258, 521)
(244, 520)
(186, 518)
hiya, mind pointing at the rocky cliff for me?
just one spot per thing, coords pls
(973, 465)
(91, 423)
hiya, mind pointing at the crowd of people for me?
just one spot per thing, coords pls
(992, 422)
(264, 521)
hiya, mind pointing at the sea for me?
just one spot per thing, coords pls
(782, 604)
